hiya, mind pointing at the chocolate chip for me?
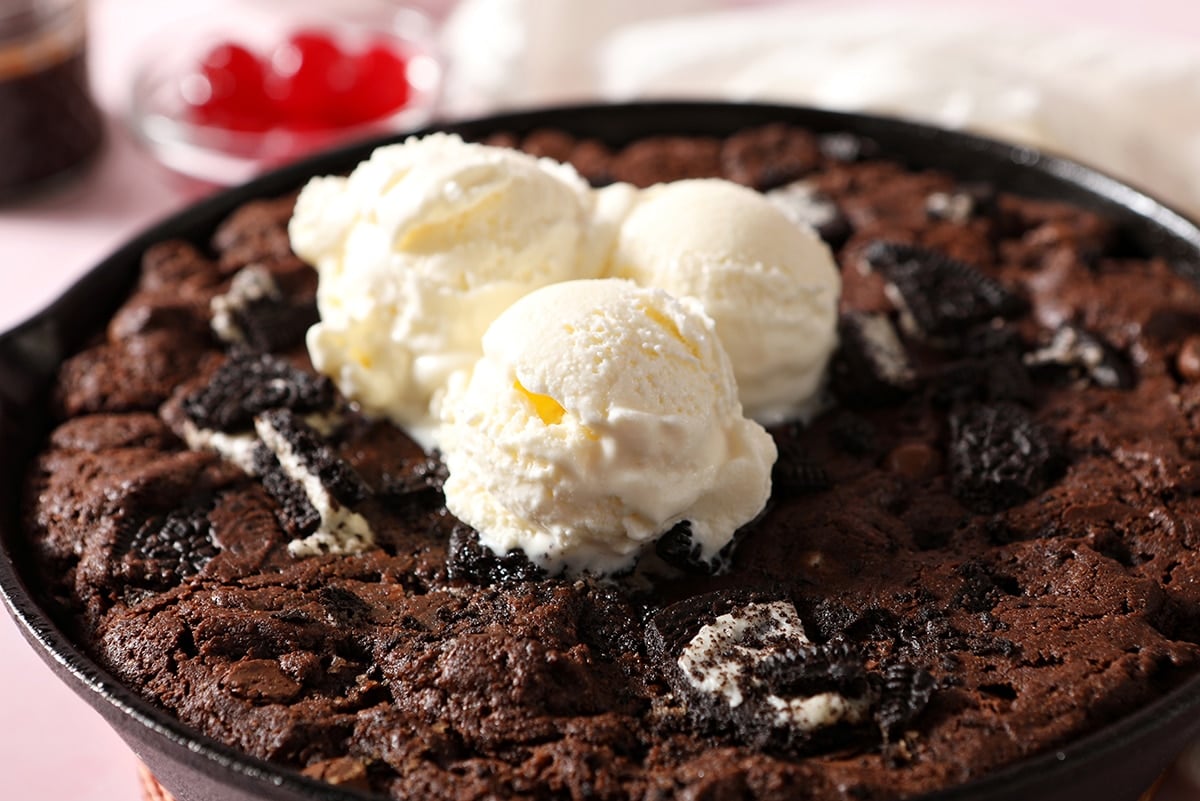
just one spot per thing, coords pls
(942, 296)
(1073, 353)
(677, 548)
(998, 456)
(260, 681)
(982, 587)
(344, 771)
(871, 366)
(248, 384)
(916, 461)
(469, 560)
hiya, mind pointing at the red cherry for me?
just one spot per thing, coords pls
(230, 92)
(308, 77)
(382, 86)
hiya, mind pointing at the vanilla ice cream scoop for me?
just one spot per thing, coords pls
(601, 415)
(421, 247)
(770, 284)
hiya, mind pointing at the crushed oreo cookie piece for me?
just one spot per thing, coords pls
(251, 285)
(1076, 353)
(174, 547)
(277, 327)
(416, 489)
(999, 456)
(750, 669)
(329, 483)
(961, 205)
(769, 156)
(296, 512)
(1000, 377)
(672, 627)
(290, 438)
(804, 204)
(905, 692)
(846, 147)
(677, 548)
(871, 366)
(343, 606)
(250, 383)
(795, 472)
(469, 560)
(938, 295)
(425, 475)
(991, 339)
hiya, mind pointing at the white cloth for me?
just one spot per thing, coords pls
(1130, 107)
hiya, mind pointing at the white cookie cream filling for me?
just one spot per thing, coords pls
(715, 663)
(342, 530)
(250, 284)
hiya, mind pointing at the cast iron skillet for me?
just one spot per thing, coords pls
(1115, 763)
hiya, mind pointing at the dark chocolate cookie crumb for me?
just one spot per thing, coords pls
(1000, 377)
(318, 459)
(469, 560)
(677, 548)
(250, 383)
(770, 156)
(795, 471)
(943, 296)
(276, 325)
(846, 147)
(999, 456)
(175, 547)
(296, 513)
(871, 366)
(1075, 353)
(905, 693)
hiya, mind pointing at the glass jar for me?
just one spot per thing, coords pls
(48, 121)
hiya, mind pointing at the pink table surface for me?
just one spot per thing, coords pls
(52, 745)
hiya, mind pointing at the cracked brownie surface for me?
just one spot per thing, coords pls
(985, 547)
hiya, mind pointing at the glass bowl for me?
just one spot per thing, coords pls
(163, 102)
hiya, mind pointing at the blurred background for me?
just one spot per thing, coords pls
(185, 97)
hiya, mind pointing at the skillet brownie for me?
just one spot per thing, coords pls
(984, 548)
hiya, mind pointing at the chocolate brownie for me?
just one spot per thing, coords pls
(983, 550)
